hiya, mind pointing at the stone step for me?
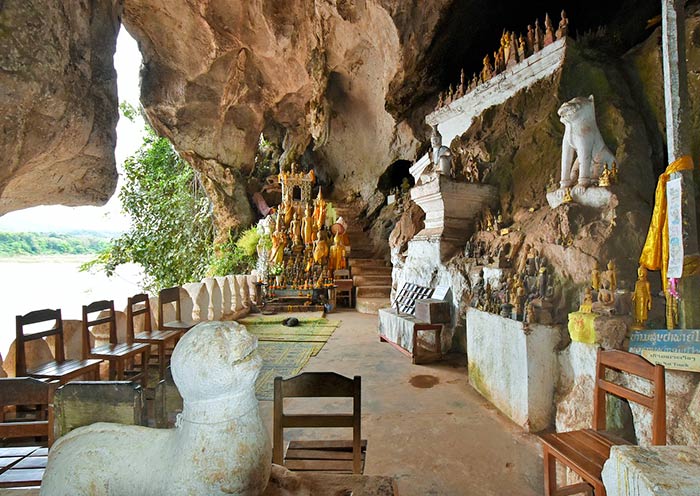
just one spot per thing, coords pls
(360, 270)
(371, 305)
(370, 280)
(367, 262)
(373, 291)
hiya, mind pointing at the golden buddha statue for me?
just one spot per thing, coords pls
(587, 304)
(279, 241)
(336, 259)
(319, 211)
(287, 210)
(595, 278)
(604, 180)
(320, 247)
(567, 196)
(641, 298)
(307, 227)
(295, 230)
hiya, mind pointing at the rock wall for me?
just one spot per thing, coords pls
(58, 104)
(218, 74)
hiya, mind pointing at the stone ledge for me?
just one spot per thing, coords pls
(514, 366)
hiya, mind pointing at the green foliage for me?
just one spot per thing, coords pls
(232, 258)
(29, 243)
(128, 110)
(247, 242)
(171, 232)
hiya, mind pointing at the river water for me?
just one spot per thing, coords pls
(33, 283)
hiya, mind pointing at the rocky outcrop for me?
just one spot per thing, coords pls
(218, 74)
(58, 104)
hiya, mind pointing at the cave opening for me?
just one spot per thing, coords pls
(394, 176)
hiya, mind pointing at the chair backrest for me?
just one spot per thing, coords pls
(621, 361)
(110, 319)
(23, 391)
(341, 274)
(165, 296)
(319, 385)
(37, 317)
(138, 305)
(81, 403)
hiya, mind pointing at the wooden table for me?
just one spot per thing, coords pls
(22, 466)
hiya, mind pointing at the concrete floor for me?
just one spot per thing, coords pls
(424, 424)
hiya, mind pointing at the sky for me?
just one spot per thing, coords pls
(127, 61)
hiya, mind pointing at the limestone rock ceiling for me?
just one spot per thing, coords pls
(58, 102)
(350, 79)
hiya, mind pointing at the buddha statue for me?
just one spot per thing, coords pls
(641, 298)
(288, 210)
(295, 231)
(441, 155)
(320, 247)
(307, 227)
(609, 277)
(605, 176)
(319, 211)
(595, 278)
(336, 260)
(279, 241)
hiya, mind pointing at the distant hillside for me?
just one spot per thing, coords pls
(72, 243)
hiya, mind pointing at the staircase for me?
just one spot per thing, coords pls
(370, 272)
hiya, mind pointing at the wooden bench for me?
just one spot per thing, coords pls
(120, 356)
(585, 451)
(165, 297)
(336, 456)
(60, 369)
(164, 340)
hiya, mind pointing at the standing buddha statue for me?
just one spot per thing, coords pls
(641, 298)
(307, 227)
(320, 211)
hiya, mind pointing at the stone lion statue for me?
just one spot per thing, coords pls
(220, 445)
(581, 135)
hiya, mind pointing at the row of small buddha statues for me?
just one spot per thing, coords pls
(525, 295)
(301, 245)
(512, 50)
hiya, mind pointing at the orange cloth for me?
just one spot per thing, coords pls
(655, 251)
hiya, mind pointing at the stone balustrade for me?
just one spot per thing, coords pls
(214, 298)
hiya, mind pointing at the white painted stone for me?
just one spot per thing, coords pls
(454, 119)
(245, 290)
(514, 366)
(252, 279)
(236, 296)
(199, 296)
(652, 471)
(225, 296)
(220, 445)
(72, 339)
(186, 308)
(595, 197)
(215, 310)
(450, 209)
(582, 138)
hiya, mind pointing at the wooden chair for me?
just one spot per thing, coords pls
(335, 456)
(165, 340)
(24, 392)
(60, 369)
(586, 451)
(83, 403)
(172, 295)
(344, 286)
(119, 355)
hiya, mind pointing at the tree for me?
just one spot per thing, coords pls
(171, 233)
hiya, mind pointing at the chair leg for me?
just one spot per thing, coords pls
(161, 361)
(599, 490)
(120, 369)
(550, 473)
